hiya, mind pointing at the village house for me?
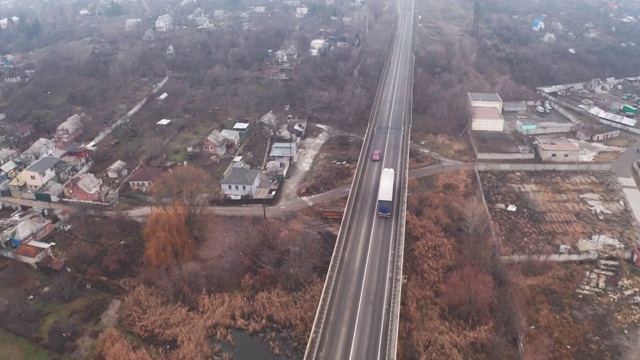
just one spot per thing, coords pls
(241, 127)
(22, 131)
(7, 155)
(232, 135)
(318, 46)
(284, 150)
(9, 169)
(85, 187)
(278, 168)
(39, 149)
(117, 169)
(23, 227)
(38, 174)
(164, 23)
(557, 150)
(597, 133)
(73, 153)
(64, 171)
(240, 181)
(143, 178)
(32, 252)
(285, 56)
(69, 129)
(215, 143)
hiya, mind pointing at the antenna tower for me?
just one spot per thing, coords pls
(476, 15)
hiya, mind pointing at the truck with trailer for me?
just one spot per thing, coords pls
(385, 193)
(629, 109)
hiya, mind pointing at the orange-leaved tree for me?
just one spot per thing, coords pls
(112, 345)
(168, 242)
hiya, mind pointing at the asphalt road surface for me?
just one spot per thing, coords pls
(356, 325)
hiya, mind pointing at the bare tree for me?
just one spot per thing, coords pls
(189, 186)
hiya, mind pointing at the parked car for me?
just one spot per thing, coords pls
(626, 96)
(547, 106)
(540, 109)
(376, 155)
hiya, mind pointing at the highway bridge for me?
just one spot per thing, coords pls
(358, 314)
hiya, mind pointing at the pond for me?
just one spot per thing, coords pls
(250, 347)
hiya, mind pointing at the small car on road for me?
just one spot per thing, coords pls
(376, 155)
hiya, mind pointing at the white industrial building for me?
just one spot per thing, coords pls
(557, 150)
(485, 100)
(486, 119)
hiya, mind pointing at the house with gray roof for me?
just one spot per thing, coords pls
(281, 150)
(240, 181)
(85, 187)
(7, 155)
(232, 135)
(39, 149)
(117, 169)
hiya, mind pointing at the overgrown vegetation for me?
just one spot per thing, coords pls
(450, 306)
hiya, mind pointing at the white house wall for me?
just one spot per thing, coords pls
(493, 104)
(487, 125)
(571, 156)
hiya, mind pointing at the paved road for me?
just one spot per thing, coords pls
(622, 166)
(356, 322)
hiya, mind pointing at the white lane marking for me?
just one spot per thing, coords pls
(389, 262)
(355, 330)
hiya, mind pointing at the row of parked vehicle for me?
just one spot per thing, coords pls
(544, 109)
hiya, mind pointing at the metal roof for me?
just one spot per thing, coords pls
(89, 183)
(43, 164)
(5, 153)
(484, 96)
(10, 165)
(40, 147)
(240, 126)
(230, 134)
(240, 176)
(612, 117)
(217, 138)
(283, 149)
(117, 166)
(73, 123)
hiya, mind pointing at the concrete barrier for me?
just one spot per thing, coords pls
(543, 167)
(559, 257)
(505, 156)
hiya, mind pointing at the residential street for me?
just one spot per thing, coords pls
(290, 202)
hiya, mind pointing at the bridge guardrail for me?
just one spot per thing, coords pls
(318, 323)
